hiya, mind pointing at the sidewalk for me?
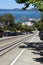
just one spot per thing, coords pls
(4, 38)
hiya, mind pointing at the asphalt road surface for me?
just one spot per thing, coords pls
(8, 40)
(21, 56)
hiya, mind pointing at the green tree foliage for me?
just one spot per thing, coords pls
(8, 21)
(41, 16)
(0, 19)
(25, 28)
(19, 26)
(37, 3)
(39, 25)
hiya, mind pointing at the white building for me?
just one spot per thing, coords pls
(28, 23)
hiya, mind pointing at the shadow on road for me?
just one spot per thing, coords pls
(37, 48)
(39, 60)
(22, 46)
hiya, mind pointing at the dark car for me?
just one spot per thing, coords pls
(41, 35)
(10, 33)
(1, 33)
(6, 33)
(13, 33)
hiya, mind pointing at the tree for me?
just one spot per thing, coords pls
(0, 18)
(37, 3)
(41, 16)
(25, 28)
(39, 25)
(8, 21)
(18, 26)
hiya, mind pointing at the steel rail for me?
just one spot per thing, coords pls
(9, 46)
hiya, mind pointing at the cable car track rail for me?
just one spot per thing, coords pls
(6, 48)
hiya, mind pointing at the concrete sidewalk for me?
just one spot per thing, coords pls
(4, 38)
(9, 37)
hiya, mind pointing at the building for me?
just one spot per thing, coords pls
(32, 20)
(28, 23)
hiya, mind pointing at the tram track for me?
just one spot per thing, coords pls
(10, 46)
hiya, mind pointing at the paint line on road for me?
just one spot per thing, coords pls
(13, 62)
(32, 39)
(17, 57)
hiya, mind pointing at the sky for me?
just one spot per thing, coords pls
(11, 4)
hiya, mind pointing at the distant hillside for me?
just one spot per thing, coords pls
(16, 9)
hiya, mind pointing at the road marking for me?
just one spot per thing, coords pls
(17, 57)
(13, 62)
(32, 38)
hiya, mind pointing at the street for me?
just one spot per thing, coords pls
(20, 54)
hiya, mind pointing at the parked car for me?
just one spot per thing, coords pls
(13, 33)
(10, 33)
(41, 35)
(1, 33)
(6, 33)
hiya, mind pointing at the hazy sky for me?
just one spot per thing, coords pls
(10, 4)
